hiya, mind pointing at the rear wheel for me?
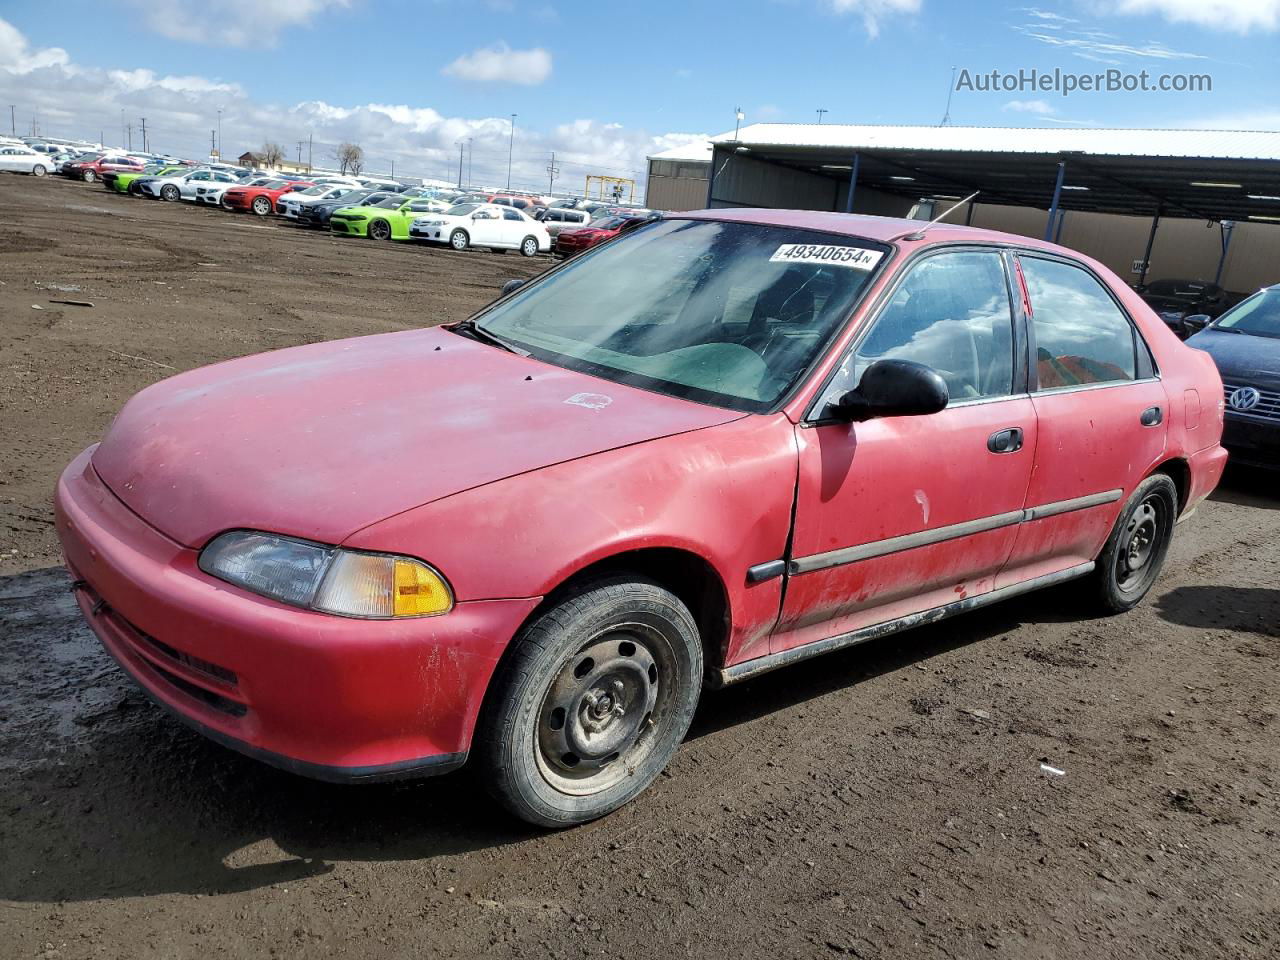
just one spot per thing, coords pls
(1131, 561)
(170, 192)
(459, 240)
(591, 702)
(529, 246)
(38, 170)
(379, 230)
(262, 206)
(89, 176)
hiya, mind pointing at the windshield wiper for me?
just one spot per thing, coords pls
(469, 328)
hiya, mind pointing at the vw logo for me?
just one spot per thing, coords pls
(1246, 398)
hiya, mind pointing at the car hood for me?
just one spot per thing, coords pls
(322, 440)
(1242, 359)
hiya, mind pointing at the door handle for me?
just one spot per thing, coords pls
(1005, 441)
(1152, 417)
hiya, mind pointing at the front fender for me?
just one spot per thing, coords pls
(723, 493)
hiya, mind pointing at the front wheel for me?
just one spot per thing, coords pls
(262, 206)
(529, 246)
(379, 230)
(1133, 556)
(459, 240)
(170, 192)
(89, 176)
(591, 702)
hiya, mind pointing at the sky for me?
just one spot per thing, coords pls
(603, 86)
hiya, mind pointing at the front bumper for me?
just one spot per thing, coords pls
(324, 696)
(1253, 441)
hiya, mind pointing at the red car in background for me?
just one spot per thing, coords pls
(91, 167)
(261, 199)
(719, 445)
(570, 242)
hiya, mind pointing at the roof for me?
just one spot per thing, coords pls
(699, 150)
(881, 229)
(1222, 144)
(1203, 174)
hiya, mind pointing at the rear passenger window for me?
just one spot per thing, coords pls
(1081, 334)
(511, 215)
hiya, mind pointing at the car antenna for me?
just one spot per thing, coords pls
(919, 234)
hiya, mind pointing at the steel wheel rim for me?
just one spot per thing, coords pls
(602, 713)
(530, 247)
(1140, 542)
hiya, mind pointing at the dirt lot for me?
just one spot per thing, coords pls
(884, 802)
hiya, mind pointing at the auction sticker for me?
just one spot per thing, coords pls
(856, 257)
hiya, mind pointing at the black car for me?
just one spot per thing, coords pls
(1175, 300)
(319, 214)
(1245, 343)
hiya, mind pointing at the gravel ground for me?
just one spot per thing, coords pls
(882, 802)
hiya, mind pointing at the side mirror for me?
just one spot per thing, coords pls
(511, 286)
(893, 388)
(1195, 323)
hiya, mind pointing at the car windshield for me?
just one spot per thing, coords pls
(313, 191)
(1259, 315)
(609, 223)
(276, 184)
(352, 196)
(731, 314)
(1187, 289)
(462, 210)
(390, 203)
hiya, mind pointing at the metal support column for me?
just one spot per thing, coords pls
(1151, 242)
(853, 185)
(968, 215)
(1057, 196)
(1057, 232)
(1227, 227)
(711, 176)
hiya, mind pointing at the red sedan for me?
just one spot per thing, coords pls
(569, 242)
(261, 199)
(725, 443)
(92, 166)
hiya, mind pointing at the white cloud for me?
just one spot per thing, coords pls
(16, 55)
(77, 101)
(1240, 16)
(1097, 46)
(232, 23)
(1029, 106)
(873, 12)
(500, 64)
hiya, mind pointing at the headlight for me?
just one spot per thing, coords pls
(328, 579)
(427, 223)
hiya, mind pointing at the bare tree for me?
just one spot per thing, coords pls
(271, 154)
(350, 157)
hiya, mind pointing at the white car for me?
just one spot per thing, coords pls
(182, 186)
(483, 225)
(22, 159)
(290, 203)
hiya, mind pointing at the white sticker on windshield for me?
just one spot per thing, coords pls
(856, 257)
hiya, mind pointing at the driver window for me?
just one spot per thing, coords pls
(952, 313)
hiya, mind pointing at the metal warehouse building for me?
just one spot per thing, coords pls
(1151, 204)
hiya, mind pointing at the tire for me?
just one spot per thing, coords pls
(261, 206)
(379, 230)
(529, 247)
(170, 192)
(590, 702)
(89, 176)
(222, 202)
(1130, 562)
(135, 190)
(459, 240)
(39, 170)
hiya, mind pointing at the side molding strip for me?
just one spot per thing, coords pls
(753, 668)
(925, 538)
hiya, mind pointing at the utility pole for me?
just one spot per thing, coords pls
(471, 152)
(821, 111)
(144, 134)
(393, 169)
(220, 133)
(13, 119)
(213, 143)
(738, 117)
(308, 153)
(128, 128)
(300, 143)
(511, 144)
(552, 170)
(946, 114)
(461, 143)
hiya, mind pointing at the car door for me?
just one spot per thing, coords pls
(486, 227)
(899, 515)
(1102, 412)
(514, 228)
(10, 159)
